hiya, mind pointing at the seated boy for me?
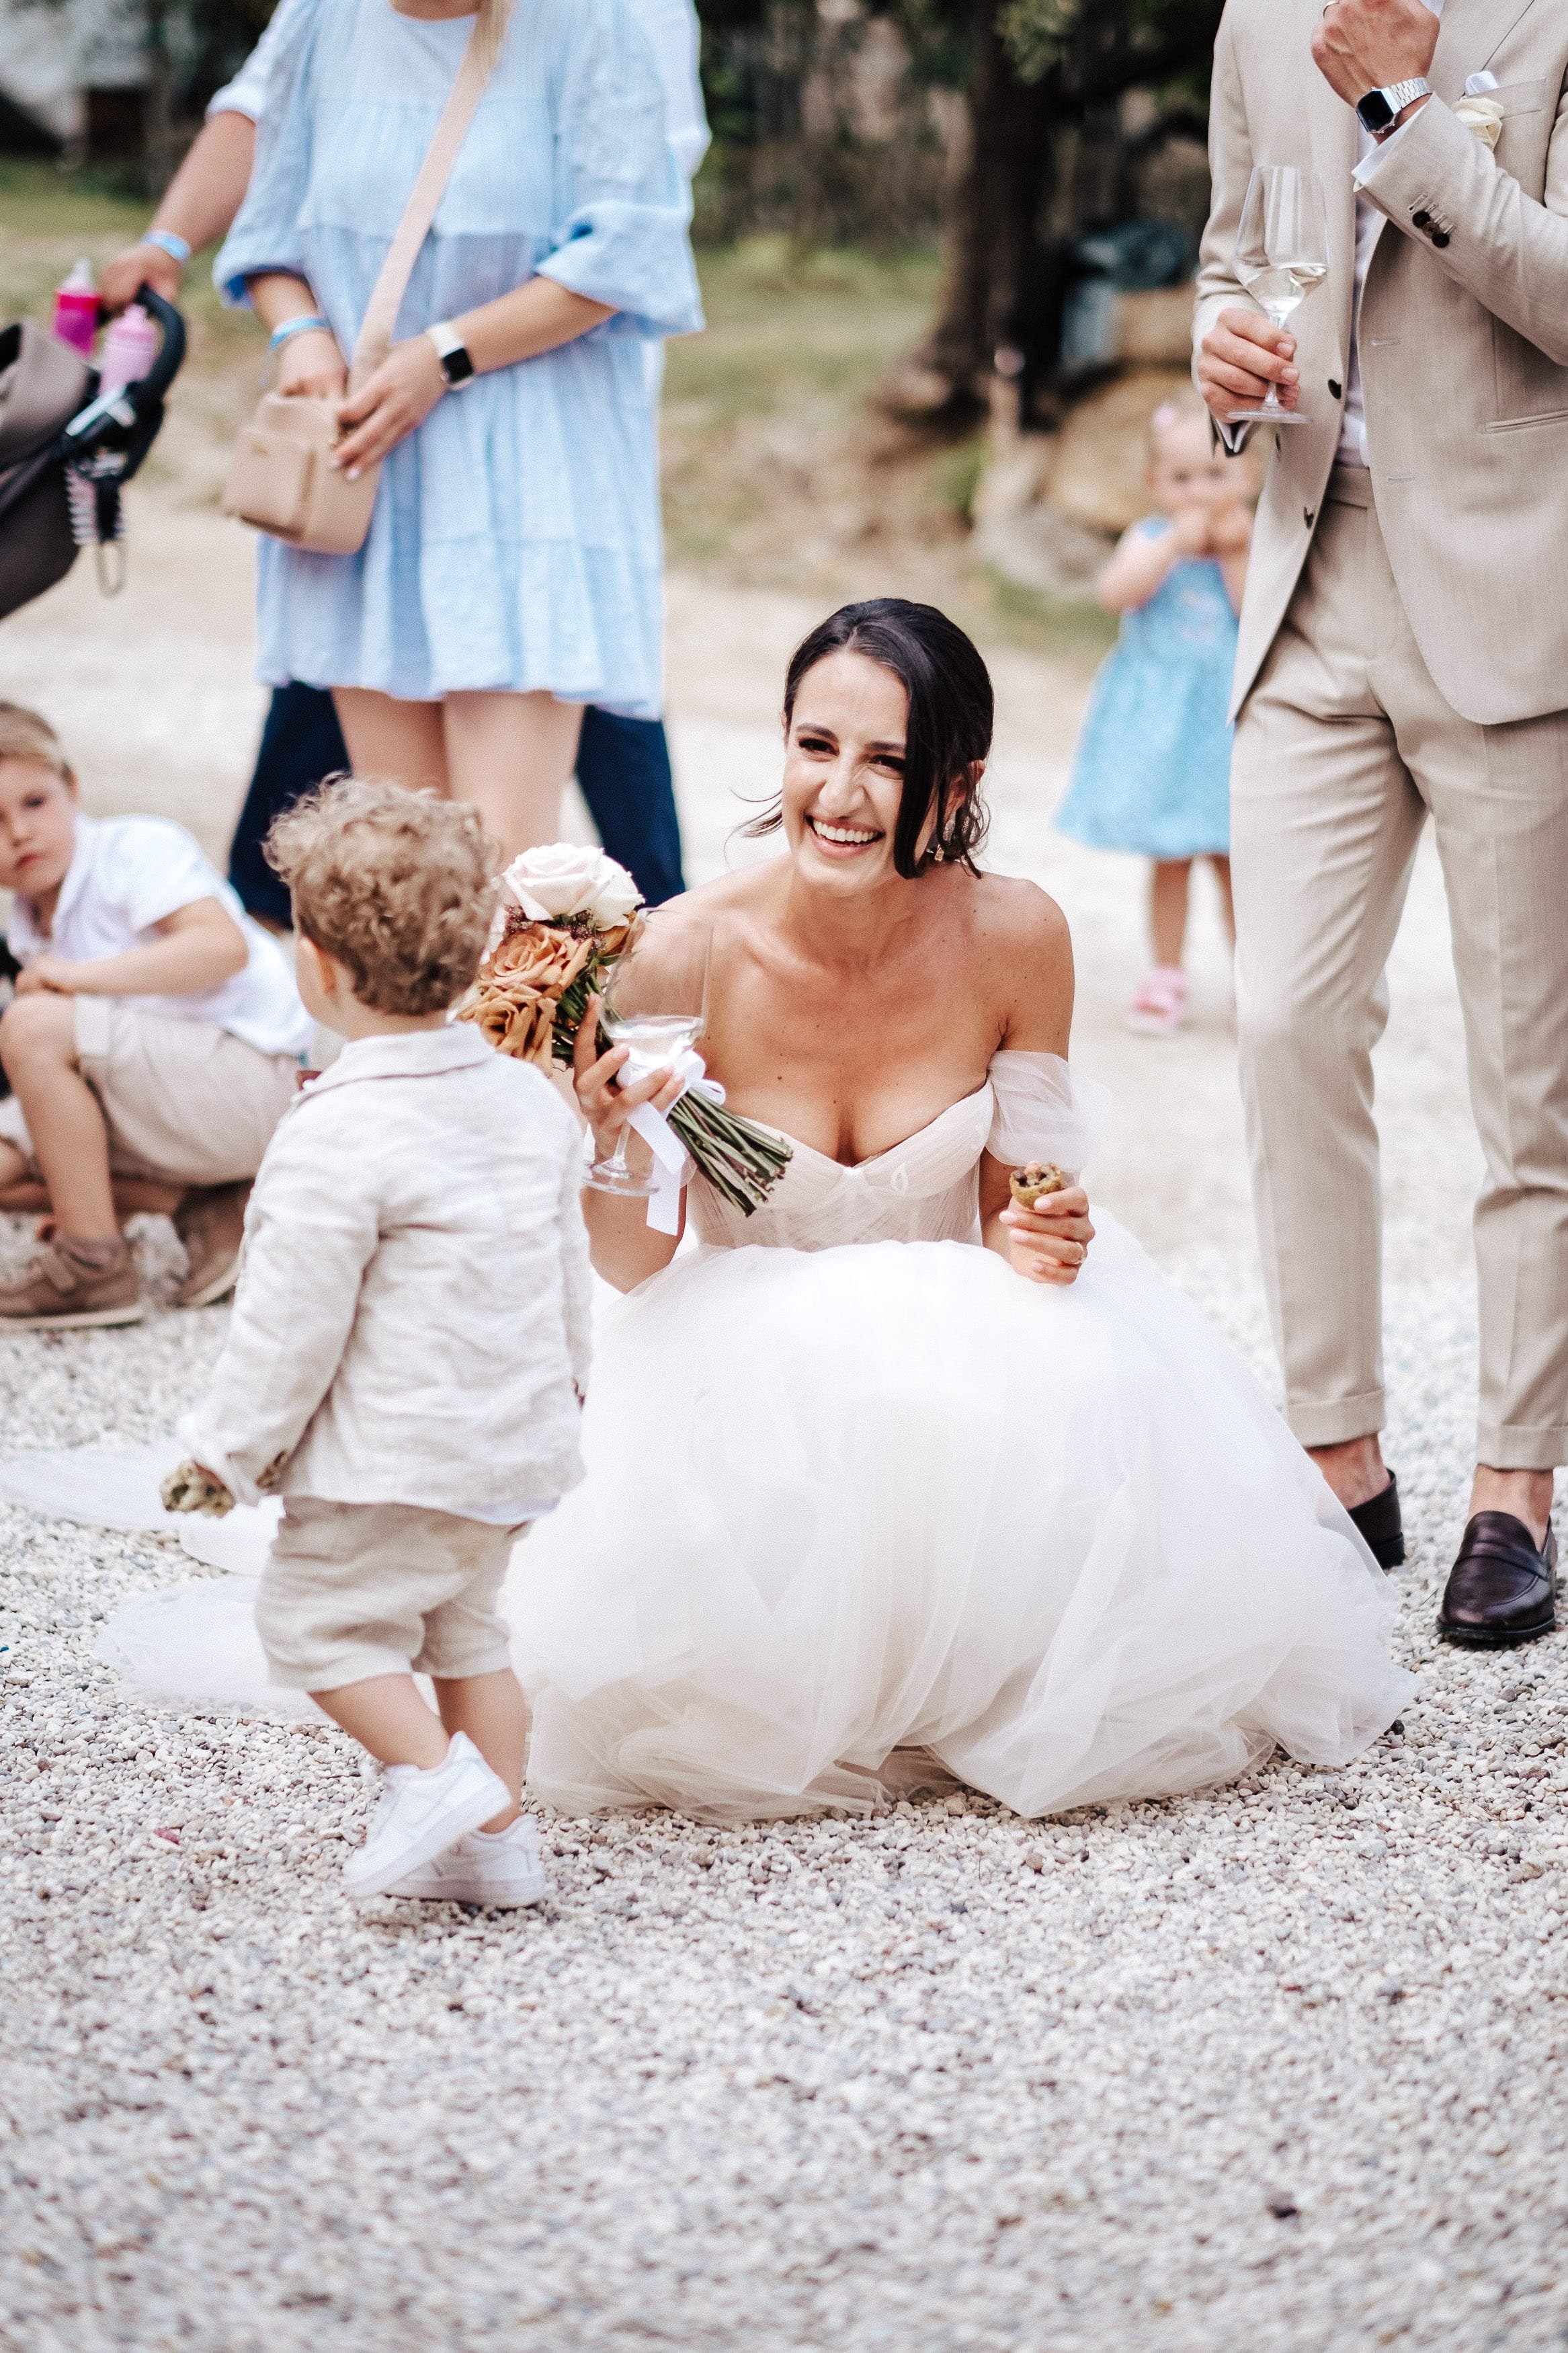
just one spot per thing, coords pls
(152, 1047)
(409, 1341)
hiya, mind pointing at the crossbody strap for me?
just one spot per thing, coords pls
(386, 298)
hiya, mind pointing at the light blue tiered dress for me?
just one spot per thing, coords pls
(1151, 772)
(515, 541)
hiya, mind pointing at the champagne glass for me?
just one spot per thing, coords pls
(1281, 253)
(656, 1003)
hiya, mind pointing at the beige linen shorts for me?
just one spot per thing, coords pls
(185, 1102)
(353, 1591)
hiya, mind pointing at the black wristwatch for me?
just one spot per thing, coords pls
(1380, 109)
(456, 366)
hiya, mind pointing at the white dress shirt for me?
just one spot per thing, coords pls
(1352, 451)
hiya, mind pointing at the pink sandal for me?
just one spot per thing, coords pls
(1160, 1008)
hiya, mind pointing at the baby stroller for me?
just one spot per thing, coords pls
(65, 453)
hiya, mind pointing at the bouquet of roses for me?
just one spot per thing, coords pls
(566, 915)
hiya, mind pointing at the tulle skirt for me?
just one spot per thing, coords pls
(847, 1504)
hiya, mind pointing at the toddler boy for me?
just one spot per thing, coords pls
(152, 1047)
(409, 1343)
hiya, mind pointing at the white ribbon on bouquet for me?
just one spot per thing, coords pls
(671, 1161)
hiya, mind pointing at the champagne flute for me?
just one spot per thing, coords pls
(655, 1002)
(1281, 254)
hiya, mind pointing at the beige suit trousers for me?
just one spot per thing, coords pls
(1343, 749)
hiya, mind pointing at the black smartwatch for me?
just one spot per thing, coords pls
(456, 366)
(1380, 109)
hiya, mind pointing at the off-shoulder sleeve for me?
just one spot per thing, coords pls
(623, 239)
(1045, 1110)
(266, 231)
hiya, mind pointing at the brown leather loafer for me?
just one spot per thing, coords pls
(1501, 1590)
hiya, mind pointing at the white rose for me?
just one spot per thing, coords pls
(569, 878)
(615, 895)
(555, 879)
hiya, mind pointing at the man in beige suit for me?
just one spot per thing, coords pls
(1404, 652)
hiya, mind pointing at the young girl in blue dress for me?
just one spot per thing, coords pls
(1151, 771)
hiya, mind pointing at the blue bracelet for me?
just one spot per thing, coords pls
(167, 242)
(280, 335)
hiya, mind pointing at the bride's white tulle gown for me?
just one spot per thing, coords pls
(855, 1487)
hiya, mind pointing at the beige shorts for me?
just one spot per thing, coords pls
(353, 1591)
(185, 1102)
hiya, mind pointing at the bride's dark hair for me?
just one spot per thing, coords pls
(952, 712)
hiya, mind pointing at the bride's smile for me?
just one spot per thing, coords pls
(844, 769)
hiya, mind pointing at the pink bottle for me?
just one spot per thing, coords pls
(130, 348)
(75, 310)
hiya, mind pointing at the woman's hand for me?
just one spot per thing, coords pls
(310, 365)
(51, 974)
(605, 1106)
(1049, 1242)
(395, 402)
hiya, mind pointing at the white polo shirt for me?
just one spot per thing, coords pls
(130, 873)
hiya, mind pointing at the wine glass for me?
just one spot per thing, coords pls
(656, 1003)
(1281, 253)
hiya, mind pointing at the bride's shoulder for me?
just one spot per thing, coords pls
(745, 892)
(1024, 949)
(1019, 919)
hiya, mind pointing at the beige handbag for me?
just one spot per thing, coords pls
(279, 477)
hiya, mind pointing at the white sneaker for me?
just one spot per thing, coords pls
(498, 1867)
(422, 1813)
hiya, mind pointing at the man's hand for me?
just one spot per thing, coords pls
(1242, 354)
(139, 266)
(1362, 45)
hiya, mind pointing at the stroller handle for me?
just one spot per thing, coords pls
(167, 364)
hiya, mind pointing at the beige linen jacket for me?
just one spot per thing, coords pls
(414, 1296)
(1463, 340)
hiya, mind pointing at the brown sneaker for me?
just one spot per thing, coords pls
(66, 1292)
(210, 1222)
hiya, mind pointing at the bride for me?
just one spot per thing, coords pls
(894, 1482)
(894, 1479)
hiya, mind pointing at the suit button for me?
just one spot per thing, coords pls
(1307, 514)
(1422, 220)
(1333, 388)
(1440, 237)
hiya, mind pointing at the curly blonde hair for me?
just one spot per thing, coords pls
(398, 886)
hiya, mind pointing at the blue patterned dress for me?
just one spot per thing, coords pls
(1151, 772)
(515, 541)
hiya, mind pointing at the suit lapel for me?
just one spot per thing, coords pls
(1471, 32)
(1333, 129)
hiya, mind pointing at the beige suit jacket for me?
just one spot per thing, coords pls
(1463, 340)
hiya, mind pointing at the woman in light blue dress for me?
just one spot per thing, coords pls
(1151, 772)
(512, 572)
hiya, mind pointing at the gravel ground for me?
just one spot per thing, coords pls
(1278, 2067)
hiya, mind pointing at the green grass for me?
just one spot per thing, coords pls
(779, 469)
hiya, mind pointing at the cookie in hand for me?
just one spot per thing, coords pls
(1041, 1177)
(191, 1489)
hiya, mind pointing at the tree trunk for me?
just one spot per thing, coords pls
(995, 205)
